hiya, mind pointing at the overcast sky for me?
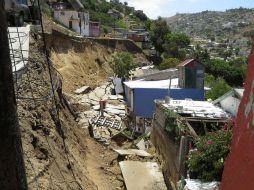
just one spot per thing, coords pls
(166, 8)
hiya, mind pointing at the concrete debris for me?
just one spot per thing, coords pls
(104, 128)
(143, 145)
(142, 175)
(118, 85)
(83, 90)
(113, 97)
(193, 184)
(137, 152)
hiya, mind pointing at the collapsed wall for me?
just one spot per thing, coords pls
(167, 149)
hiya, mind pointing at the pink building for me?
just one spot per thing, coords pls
(94, 29)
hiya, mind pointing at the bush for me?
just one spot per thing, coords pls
(218, 86)
(207, 161)
(122, 63)
(232, 72)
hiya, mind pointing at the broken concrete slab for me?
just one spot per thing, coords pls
(137, 152)
(82, 90)
(142, 175)
(113, 97)
(141, 144)
(118, 107)
(96, 107)
(115, 111)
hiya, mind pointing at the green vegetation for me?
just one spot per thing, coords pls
(98, 10)
(218, 87)
(122, 63)
(232, 72)
(169, 63)
(158, 31)
(207, 161)
(121, 24)
(169, 44)
(175, 45)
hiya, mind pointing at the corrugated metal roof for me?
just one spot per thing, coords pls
(202, 109)
(161, 84)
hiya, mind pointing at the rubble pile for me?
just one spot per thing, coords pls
(104, 125)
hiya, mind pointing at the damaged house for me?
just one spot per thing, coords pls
(176, 124)
(141, 93)
(77, 21)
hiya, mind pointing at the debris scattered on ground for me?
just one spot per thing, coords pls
(142, 175)
(137, 152)
(194, 184)
(143, 145)
(83, 90)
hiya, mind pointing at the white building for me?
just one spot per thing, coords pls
(74, 20)
(230, 101)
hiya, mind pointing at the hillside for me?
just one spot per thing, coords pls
(233, 27)
(112, 14)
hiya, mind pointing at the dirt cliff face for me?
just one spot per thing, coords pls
(81, 62)
(50, 164)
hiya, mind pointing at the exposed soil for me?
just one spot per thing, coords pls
(60, 154)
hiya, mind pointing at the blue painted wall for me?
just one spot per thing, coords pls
(144, 105)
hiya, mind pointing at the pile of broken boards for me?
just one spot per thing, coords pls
(106, 126)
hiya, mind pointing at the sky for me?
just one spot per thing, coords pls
(167, 8)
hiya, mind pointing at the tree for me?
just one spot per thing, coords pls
(175, 44)
(232, 72)
(122, 63)
(201, 55)
(158, 31)
(141, 15)
(169, 63)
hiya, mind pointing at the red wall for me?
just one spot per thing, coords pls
(239, 167)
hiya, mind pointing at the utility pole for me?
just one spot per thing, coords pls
(12, 168)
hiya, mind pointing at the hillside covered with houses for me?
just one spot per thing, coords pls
(216, 30)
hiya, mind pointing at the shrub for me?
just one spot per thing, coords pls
(218, 86)
(207, 161)
(122, 63)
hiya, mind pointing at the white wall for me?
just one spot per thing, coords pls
(65, 16)
(230, 105)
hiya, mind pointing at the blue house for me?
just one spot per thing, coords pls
(140, 95)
